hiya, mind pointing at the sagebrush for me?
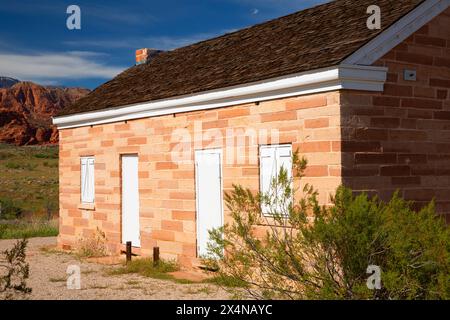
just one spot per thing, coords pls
(94, 245)
(314, 252)
(14, 271)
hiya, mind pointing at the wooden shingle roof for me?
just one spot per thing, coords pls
(314, 38)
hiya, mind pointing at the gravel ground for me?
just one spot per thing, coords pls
(48, 279)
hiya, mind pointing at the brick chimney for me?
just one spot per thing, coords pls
(145, 55)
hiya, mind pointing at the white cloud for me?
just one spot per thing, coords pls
(51, 67)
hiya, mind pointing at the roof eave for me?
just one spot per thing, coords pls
(351, 77)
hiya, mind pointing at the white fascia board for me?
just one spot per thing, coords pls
(398, 32)
(350, 77)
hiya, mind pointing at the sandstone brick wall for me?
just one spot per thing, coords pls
(400, 139)
(167, 188)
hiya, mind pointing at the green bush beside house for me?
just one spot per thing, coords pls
(314, 252)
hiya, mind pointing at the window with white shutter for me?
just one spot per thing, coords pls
(87, 180)
(272, 158)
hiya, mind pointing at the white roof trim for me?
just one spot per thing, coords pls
(350, 77)
(398, 32)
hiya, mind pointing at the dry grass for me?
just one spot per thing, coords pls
(29, 229)
(30, 178)
(93, 246)
(146, 268)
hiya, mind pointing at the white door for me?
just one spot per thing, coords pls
(208, 176)
(130, 200)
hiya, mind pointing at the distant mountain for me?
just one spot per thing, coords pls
(26, 109)
(6, 82)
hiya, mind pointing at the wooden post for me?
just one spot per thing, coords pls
(155, 256)
(128, 251)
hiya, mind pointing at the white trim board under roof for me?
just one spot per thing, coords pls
(349, 77)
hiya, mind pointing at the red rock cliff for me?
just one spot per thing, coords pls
(26, 110)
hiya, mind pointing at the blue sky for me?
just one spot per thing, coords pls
(35, 44)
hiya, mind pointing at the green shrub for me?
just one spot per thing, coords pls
(227, 281)
(13, 165)
(313, 252)
(51, 154)
(9, 210)
(20, 166)
(14, 271)
(41, 156)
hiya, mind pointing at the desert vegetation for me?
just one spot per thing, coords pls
(28, 191)
(14, 271)
(312, 252)
(147, 268)
(28, 228)
(93, 246)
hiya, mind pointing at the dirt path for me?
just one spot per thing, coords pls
(48, 280)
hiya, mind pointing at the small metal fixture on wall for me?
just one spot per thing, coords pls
(410, 75)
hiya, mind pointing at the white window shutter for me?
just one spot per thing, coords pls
(284, 159)
(272, 158)
(87, 180)
(83, 179)
(268, 171)
(91, 167)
